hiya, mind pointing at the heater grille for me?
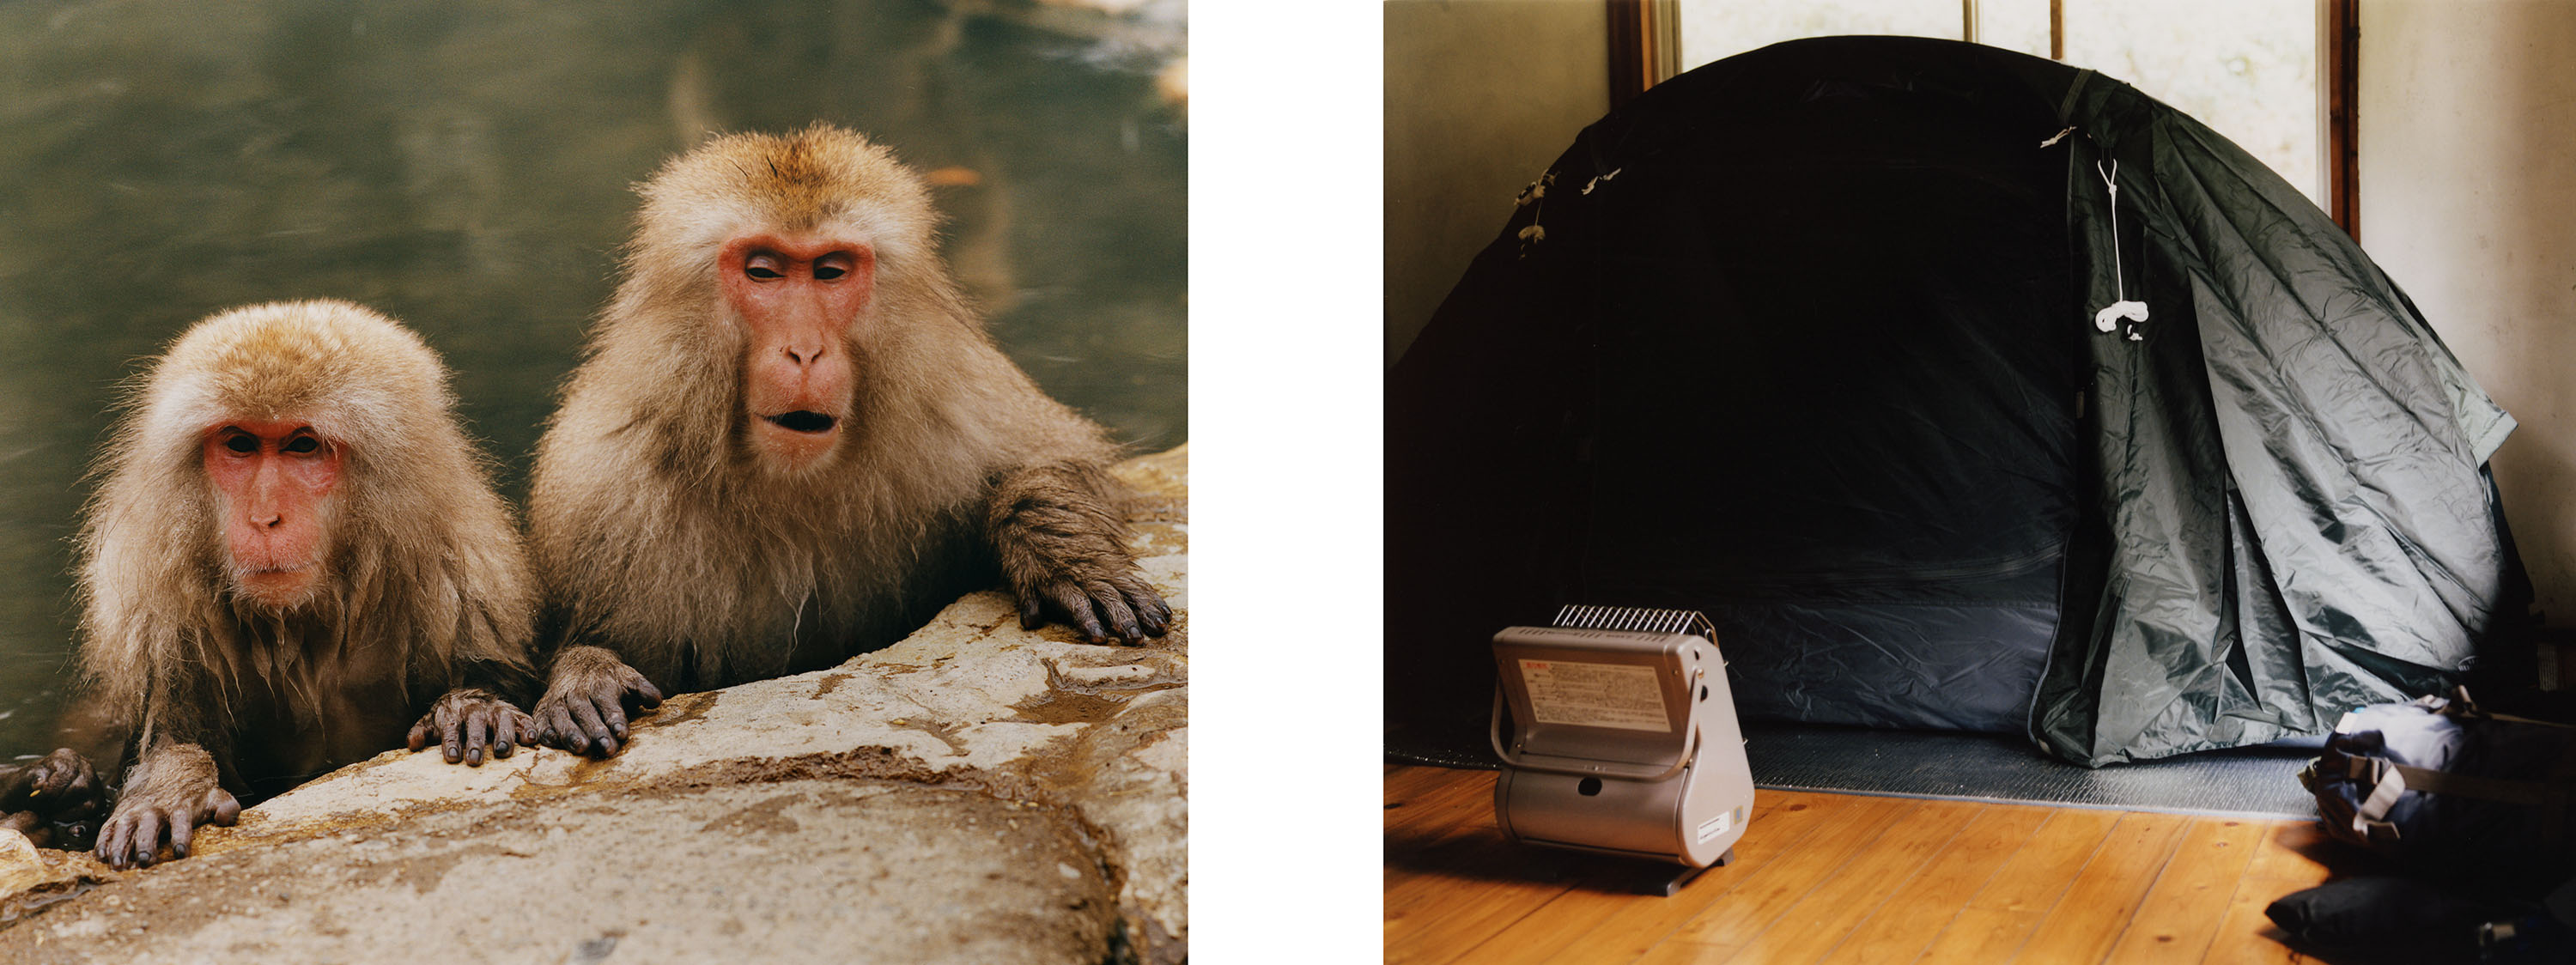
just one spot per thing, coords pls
(1639, 619)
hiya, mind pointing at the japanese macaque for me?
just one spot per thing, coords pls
(55, 800)
(792, 442)
(294, 554)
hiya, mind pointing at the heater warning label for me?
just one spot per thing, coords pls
(1624, 696)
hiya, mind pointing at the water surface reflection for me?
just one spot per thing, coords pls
(465, 167)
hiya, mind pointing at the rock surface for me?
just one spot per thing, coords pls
(975, 793)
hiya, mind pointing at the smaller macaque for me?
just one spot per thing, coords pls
(55, 800)
(295, 560)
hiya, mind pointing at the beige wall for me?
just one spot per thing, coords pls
(2468, 198)
(1480, 96)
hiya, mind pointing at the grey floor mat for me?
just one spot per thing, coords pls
(2251, 782)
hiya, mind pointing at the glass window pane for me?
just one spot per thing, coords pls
(1716, 29)
(2247, 68)
(2020, 25)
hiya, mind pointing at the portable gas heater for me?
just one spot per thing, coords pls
(1621, 738)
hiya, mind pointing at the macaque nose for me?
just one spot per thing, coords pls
(266, 520)
(803, 355)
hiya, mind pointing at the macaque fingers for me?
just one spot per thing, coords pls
(554, 724)
(647, 697)
(586, 709)
(1150, 609)
(507, 729)
(1106, 600)
(478, 736)
(222, 808)
(612, 711)
(64, 782)
(111, 843)
(1076, 607)
(451, 741)
(145, 840)
(592, 731)
(473, 726)
(1031, 606)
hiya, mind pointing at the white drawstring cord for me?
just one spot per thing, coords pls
(2122, 307)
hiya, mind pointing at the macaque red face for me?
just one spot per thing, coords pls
(800, 300)
(273, 483)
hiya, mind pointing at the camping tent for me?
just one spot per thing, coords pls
(1807, 339)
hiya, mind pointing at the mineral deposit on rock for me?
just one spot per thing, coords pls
(974, 793)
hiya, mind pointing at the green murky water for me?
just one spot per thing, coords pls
(465, 167)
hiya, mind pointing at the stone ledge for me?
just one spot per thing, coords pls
(829, 810)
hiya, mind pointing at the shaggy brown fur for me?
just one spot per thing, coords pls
(663, 535)
(426, 588)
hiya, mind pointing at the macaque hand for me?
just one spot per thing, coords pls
(55, 801)
(586, 703)
(159, 812)
(58, 787)
(470, 723)
(1101, 597)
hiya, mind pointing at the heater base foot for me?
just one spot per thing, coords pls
(1672, 884)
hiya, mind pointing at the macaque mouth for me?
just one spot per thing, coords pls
(803, 420)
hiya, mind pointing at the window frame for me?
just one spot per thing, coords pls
(1645, 49)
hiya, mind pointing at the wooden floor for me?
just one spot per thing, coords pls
(1843, 878)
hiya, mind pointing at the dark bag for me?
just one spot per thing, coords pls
(2441, 786)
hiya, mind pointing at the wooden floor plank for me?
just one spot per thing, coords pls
(1768, 891)
(1826, 914)
(1432, 851)
(2000, 916)
(1436, 925)
(1852, 879)
(1790, 821)
(1898, 931)
(2181, 914)
(1451, 877)
(2295, 856)
(1545, 935)
(2100, 902)
(2245, 935)
(1446, 804)
(1983, 935)
(2300, 854)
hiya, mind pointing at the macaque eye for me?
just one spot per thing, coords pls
(301, 445)
(241, 442)
(764, 267)
(833, 266)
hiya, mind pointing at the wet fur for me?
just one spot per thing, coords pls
(427, 586)
(657, 533)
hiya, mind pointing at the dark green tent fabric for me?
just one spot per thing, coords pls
(2300, 521)
(1805, 339)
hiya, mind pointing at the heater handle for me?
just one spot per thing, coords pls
(1633, 772)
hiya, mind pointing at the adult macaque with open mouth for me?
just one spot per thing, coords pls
(792, 442)
(295, 560)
